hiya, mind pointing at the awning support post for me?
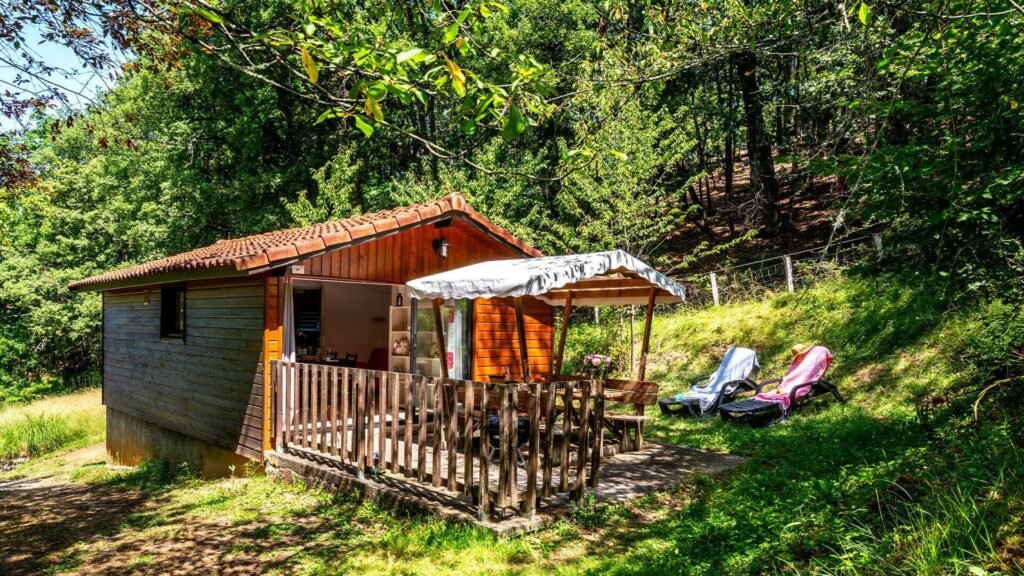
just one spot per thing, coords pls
(642, 371)
(560, 357)
(521, 329)
(441, 344)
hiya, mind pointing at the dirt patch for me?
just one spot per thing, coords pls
(872, 375)
(50, 524)
(6, 465)
(42, 518)
(203, 548)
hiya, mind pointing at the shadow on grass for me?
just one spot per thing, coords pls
(785, 505)
(41, 519)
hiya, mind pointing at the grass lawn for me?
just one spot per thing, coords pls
(875, 486)
(58, 423)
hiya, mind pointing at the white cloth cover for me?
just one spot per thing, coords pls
(738, 363)
(538, 276)
(454, 337)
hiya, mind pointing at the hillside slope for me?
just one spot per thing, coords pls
(899, 480)
(807, 205)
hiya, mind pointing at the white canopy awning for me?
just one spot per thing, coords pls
(606, 278)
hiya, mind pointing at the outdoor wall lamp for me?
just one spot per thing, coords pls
(441, 247)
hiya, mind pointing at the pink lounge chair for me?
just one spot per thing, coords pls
(804, 380)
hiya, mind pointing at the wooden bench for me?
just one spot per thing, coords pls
(629, 428)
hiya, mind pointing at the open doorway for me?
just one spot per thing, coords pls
(342, 322)
(364, 325)
(308, 320)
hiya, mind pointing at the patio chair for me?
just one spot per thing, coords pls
(522, 438)
(733, 375)
(804, 381)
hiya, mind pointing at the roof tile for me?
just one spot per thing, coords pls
(361, 230)
(311, 245)
(282, 252)
(338, 237)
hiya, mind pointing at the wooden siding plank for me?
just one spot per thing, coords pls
(203, 387)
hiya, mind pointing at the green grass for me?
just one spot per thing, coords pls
(875, 486)
(51, 425)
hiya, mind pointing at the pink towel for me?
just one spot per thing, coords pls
(809, 367)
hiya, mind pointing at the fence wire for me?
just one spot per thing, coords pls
(787, 272)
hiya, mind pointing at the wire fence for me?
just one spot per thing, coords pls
(789, 272)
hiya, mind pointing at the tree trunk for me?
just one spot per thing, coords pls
(763, 183)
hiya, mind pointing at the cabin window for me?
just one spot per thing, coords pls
(172, 312)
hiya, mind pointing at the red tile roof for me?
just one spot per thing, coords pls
(270, 248)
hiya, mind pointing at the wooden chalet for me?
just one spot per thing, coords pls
(309, 341)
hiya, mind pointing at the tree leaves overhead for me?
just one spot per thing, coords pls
(310, 66)
(864, 13)
(344, 56)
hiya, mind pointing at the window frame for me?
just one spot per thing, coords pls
(169, 301)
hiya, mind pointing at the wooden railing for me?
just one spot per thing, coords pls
(439, 431)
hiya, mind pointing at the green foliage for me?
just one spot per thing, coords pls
(153, 476)
(578, 126)
(363, 59)
(335, 190)
(587, 337)
(32, 436)
(57, 424)
(860, 487)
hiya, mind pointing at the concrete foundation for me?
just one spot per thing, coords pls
(131, 440)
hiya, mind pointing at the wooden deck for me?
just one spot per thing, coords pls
(403, 473)
(656, 468)
(431, 430)
(495, 451)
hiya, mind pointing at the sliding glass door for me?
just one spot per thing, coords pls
(456, 321)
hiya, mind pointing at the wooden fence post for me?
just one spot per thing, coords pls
(533, 458)
(563, 461)
(485, 450)
(358, 424)
(598, 419)
(714, 287)
(549, 436)
(789, 272)
(504, 435)
(278, 389)
(584, 437)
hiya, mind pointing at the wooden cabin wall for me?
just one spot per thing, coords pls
(410, 254)
(209, 386)
(273, 347)
(496, 340)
